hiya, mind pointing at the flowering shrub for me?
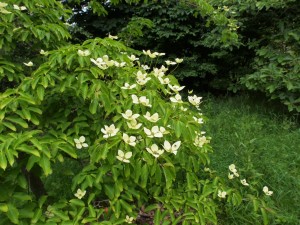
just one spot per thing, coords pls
(141, 146)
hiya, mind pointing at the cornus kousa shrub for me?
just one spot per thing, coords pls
(140, 143)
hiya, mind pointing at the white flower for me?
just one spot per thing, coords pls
(129, 139)
(155, 132)
(117, 64)
(155, 151)
(198, 120)
(112, 37)
(183, 109)
(127, 86)
(109, 131)
(164, 81)
(142, 100)
(176, 88)
(158, 73)
(2, 10)
(129, 115)
(145, 67)
(244, 182)
(133, 124)
(42, 52)
(222, 194)
(143, 81)
(163, 68)
(128, 219)
(154, 118)
(151, 55)
(232, 168)
(84, 52)
(195, 100)
(80, 194)
(230, 176)
(23, 8)
(28, 64)
(266, 191)
(100, 63)
(133, 58)
(178, 60)
(171, 148)
(176, 99)
(80, 142)
(200, 141)
(124, 157)
(168, 62)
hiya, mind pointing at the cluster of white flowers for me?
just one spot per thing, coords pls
(131, 140)
(200, 139)
(80, 194)
(80, 142)
(141, 100)
(155, 151)
(83, 52)
(154, 118)
(124, 157)
(195, 100)
(222, 194)
(176, 99)
(152, 55)
(129, 219)
(22, 8)
(155, 131)
(172, 148)
(104, 62)
(141, 78)
(109, 131)
(266, 191)
(234, 171)
(128, 86)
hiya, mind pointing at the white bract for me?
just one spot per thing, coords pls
(29, 63)
(230, 176)
(133, 124)
(141, 78)
(131, 140)
(168, 62)
(42, 52)
(175, 88)
(145, 67)
(109, 131)
(155, 132)
(80, 142)
(222, 194)
(129, 115)
(128, 86)
(233, 170)
(128, 219)
(158, 72)
(195, 100)
(2, 10)
(112, 37)
(155, 151)
(176, 99)
(198, 120)
(22, 8)
(154, 118)
(84, 52)
(172, 148)
(177, 60)
(133, 58)
(80, 194)
(266, 191)
(141, 100)
(100, 63)
(164, 80)
(244, 182)
(124, 157)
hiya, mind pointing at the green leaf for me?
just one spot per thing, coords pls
(40, 92)
(169, 172)
(13, 214)
(18, 120)
(69, 150)
(77, 202)
(109, 191)
(37, 216)
(144, 176)
(3, 161)
(93, 106)
(44, 162)
(9, 125)
(28, 149)
(3, 207)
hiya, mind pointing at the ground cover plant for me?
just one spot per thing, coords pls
(261, 139)
(137, 146)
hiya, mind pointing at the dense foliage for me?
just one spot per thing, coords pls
(141, 149)
(235, 46)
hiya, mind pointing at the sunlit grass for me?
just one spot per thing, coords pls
(260, 138)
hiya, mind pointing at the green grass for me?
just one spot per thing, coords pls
(258, 137)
